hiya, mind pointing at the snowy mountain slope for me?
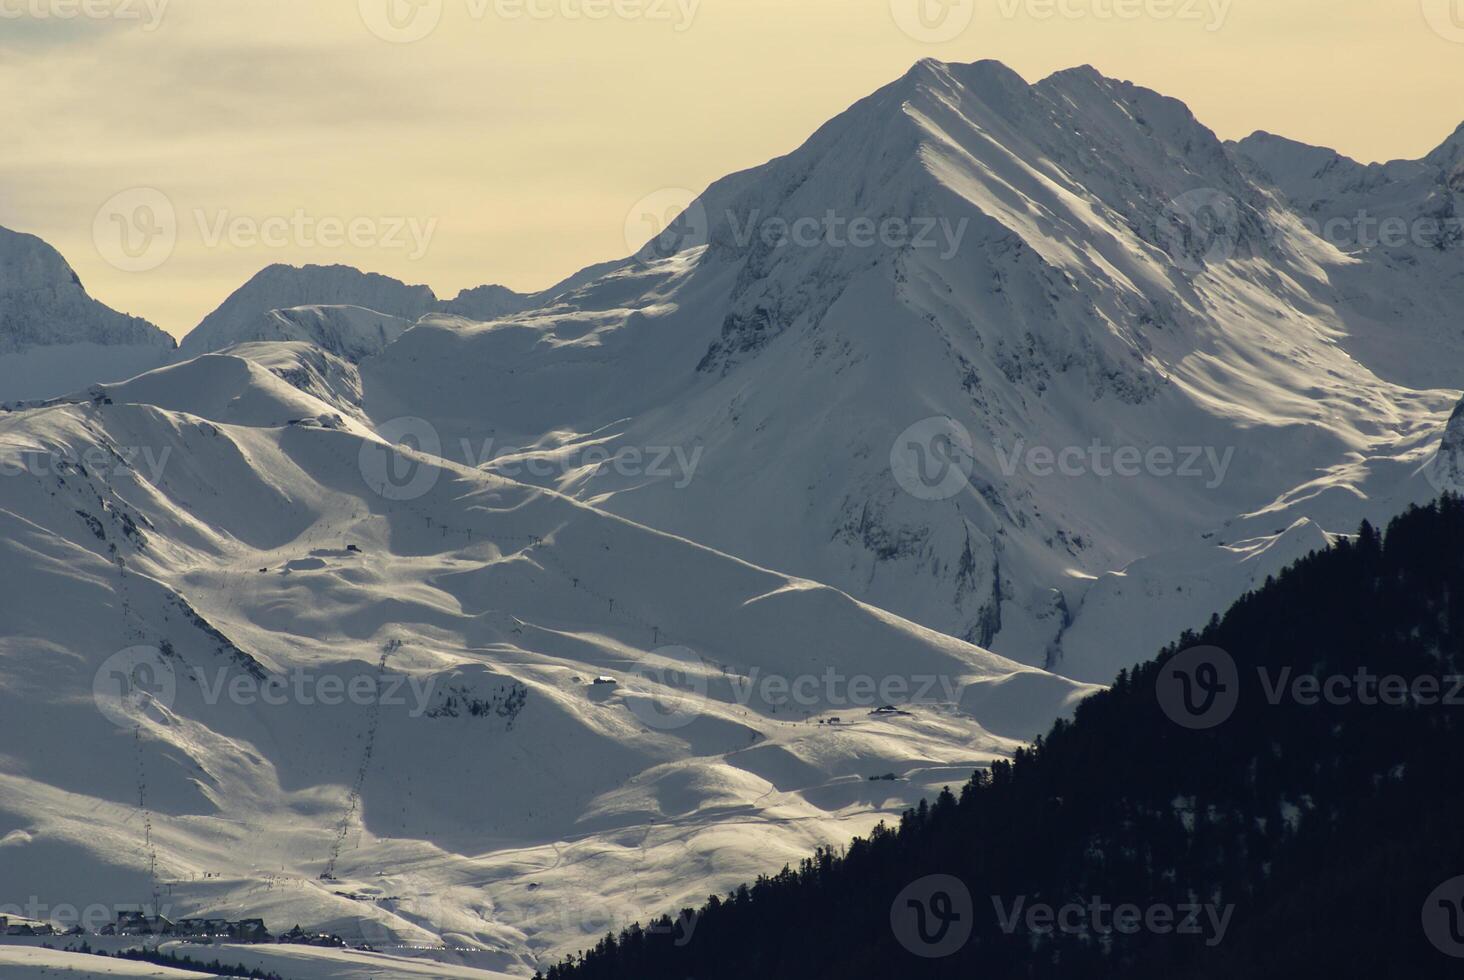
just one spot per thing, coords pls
(53, 336)
(26, 960)
(245, 315)
(856, 368)
(1401, 226)
(35, 963)
(498, 800)
(349, 313)
(969, 267)
(305, 366)
(347, 332)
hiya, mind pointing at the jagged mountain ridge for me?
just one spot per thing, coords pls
(1081, 260)
(1075, 303)
(340, 296)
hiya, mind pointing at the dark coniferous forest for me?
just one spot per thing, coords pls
(1314, 812)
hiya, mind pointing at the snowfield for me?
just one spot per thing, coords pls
(474, 630)
(27, 962)
(489, 795)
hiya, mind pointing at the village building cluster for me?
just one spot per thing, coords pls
(214, 930)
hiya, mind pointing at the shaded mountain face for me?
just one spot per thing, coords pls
(1010, 360)
(1399, 229)
(54, 338)
(43, 303)
(1313, 841)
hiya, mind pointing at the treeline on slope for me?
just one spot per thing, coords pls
(1324, 827)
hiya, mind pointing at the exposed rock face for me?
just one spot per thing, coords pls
(43, 303)
(485, 303)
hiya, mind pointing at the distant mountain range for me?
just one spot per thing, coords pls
(55, 339)
(986, 392)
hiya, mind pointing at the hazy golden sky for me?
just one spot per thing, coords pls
(515, 136)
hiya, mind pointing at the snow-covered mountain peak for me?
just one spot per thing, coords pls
(351, 333)
(42, 303)
(484, 303)
(1073, 260)
(284, 287)
(1286, 160)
